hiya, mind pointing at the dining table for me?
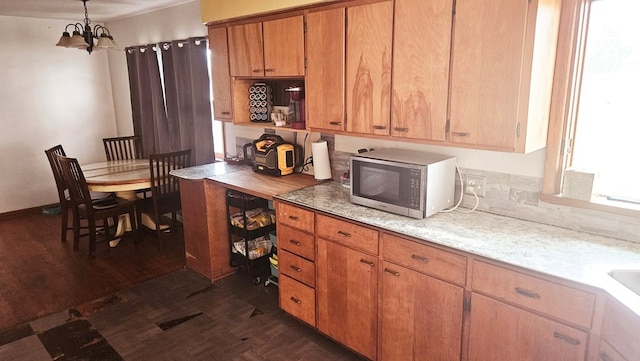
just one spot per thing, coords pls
(124, 178)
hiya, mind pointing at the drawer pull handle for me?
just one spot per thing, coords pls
(335, 123)
(461, 134)
(270, 70)
(527, 293)
(605, 357)
(395, 273)
(345, 234)
(566, 338)
(226, 113)
(403, 130)
(379, 127)
(294, 242)
(368, 263)
(295, 300)
(257, 70)
(295, 268)
(419, 258)
(294, 218)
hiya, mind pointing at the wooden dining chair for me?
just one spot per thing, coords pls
(165, 190)
(86, 208)
(61, 185)
(121, 148)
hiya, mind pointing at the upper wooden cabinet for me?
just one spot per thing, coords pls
(421, 54)
(503, 57)
(369, 33)
(272, 48)
(220, 79)
(324, 82)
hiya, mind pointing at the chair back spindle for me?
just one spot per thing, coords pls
(122, 148)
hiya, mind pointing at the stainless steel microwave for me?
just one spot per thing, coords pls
(410, 183)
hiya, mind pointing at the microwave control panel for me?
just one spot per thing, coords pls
(414, 190)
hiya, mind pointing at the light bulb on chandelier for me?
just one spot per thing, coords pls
(83, 37)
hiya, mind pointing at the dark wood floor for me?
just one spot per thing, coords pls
(39, 275)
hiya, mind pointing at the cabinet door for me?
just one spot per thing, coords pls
(421, 316)
(324, 83)
(246, 57)
(421, 49)
(502, 332)
(491, 71)
(284, 47)
(346, 289)
(220, 79)
(369, 29)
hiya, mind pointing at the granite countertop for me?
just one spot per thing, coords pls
(200, 172)
(572, 255)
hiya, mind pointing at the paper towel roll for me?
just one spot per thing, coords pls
(321, 166)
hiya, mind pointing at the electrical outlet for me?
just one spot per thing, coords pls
(475, 183)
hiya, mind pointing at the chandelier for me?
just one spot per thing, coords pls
(84, 38)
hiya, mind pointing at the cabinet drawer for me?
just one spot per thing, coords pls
(297, 242)
(608, 353)
(295, 217)
(348, 234)
(426, 259)
(556, 300)
(297, 267)
(297, 299)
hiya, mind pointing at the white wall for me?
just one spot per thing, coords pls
(50, 95)
(178, 22)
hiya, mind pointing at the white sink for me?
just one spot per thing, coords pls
(629, 278)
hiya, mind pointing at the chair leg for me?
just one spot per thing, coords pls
(76, 230)
(134, 227)
(158, 231)
(92, 238)
(65, 221)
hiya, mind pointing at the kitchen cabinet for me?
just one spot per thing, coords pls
(608, 353)
(619, 330)
(220, 79)
(421, 315)
(347, 283)
(368, 61)
(503, 56)
(347, 294)
(505, 320)
(273, 48)
(421, 54)
(325, 78)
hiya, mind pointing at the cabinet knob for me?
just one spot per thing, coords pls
(565, 338)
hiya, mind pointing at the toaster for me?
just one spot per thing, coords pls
(272, 155)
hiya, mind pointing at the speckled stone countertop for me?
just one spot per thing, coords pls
(559, 252)
(208, 170)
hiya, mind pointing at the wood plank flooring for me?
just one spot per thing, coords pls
(39, 275)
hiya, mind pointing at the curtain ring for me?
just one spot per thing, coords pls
(142, 50)
(166, 46)
(180, 44)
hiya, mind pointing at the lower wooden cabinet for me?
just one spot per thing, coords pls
(421, 316)
(620, 330)
(608, 353)
(347, 293)
(503, 332)
(297, 299)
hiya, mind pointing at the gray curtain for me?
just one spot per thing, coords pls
(186, 120)
(147, 100)
(186, 82)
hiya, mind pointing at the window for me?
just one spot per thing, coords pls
(595, 119)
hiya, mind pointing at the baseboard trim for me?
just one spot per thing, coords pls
(23, 212)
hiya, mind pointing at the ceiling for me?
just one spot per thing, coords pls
(99, 10)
